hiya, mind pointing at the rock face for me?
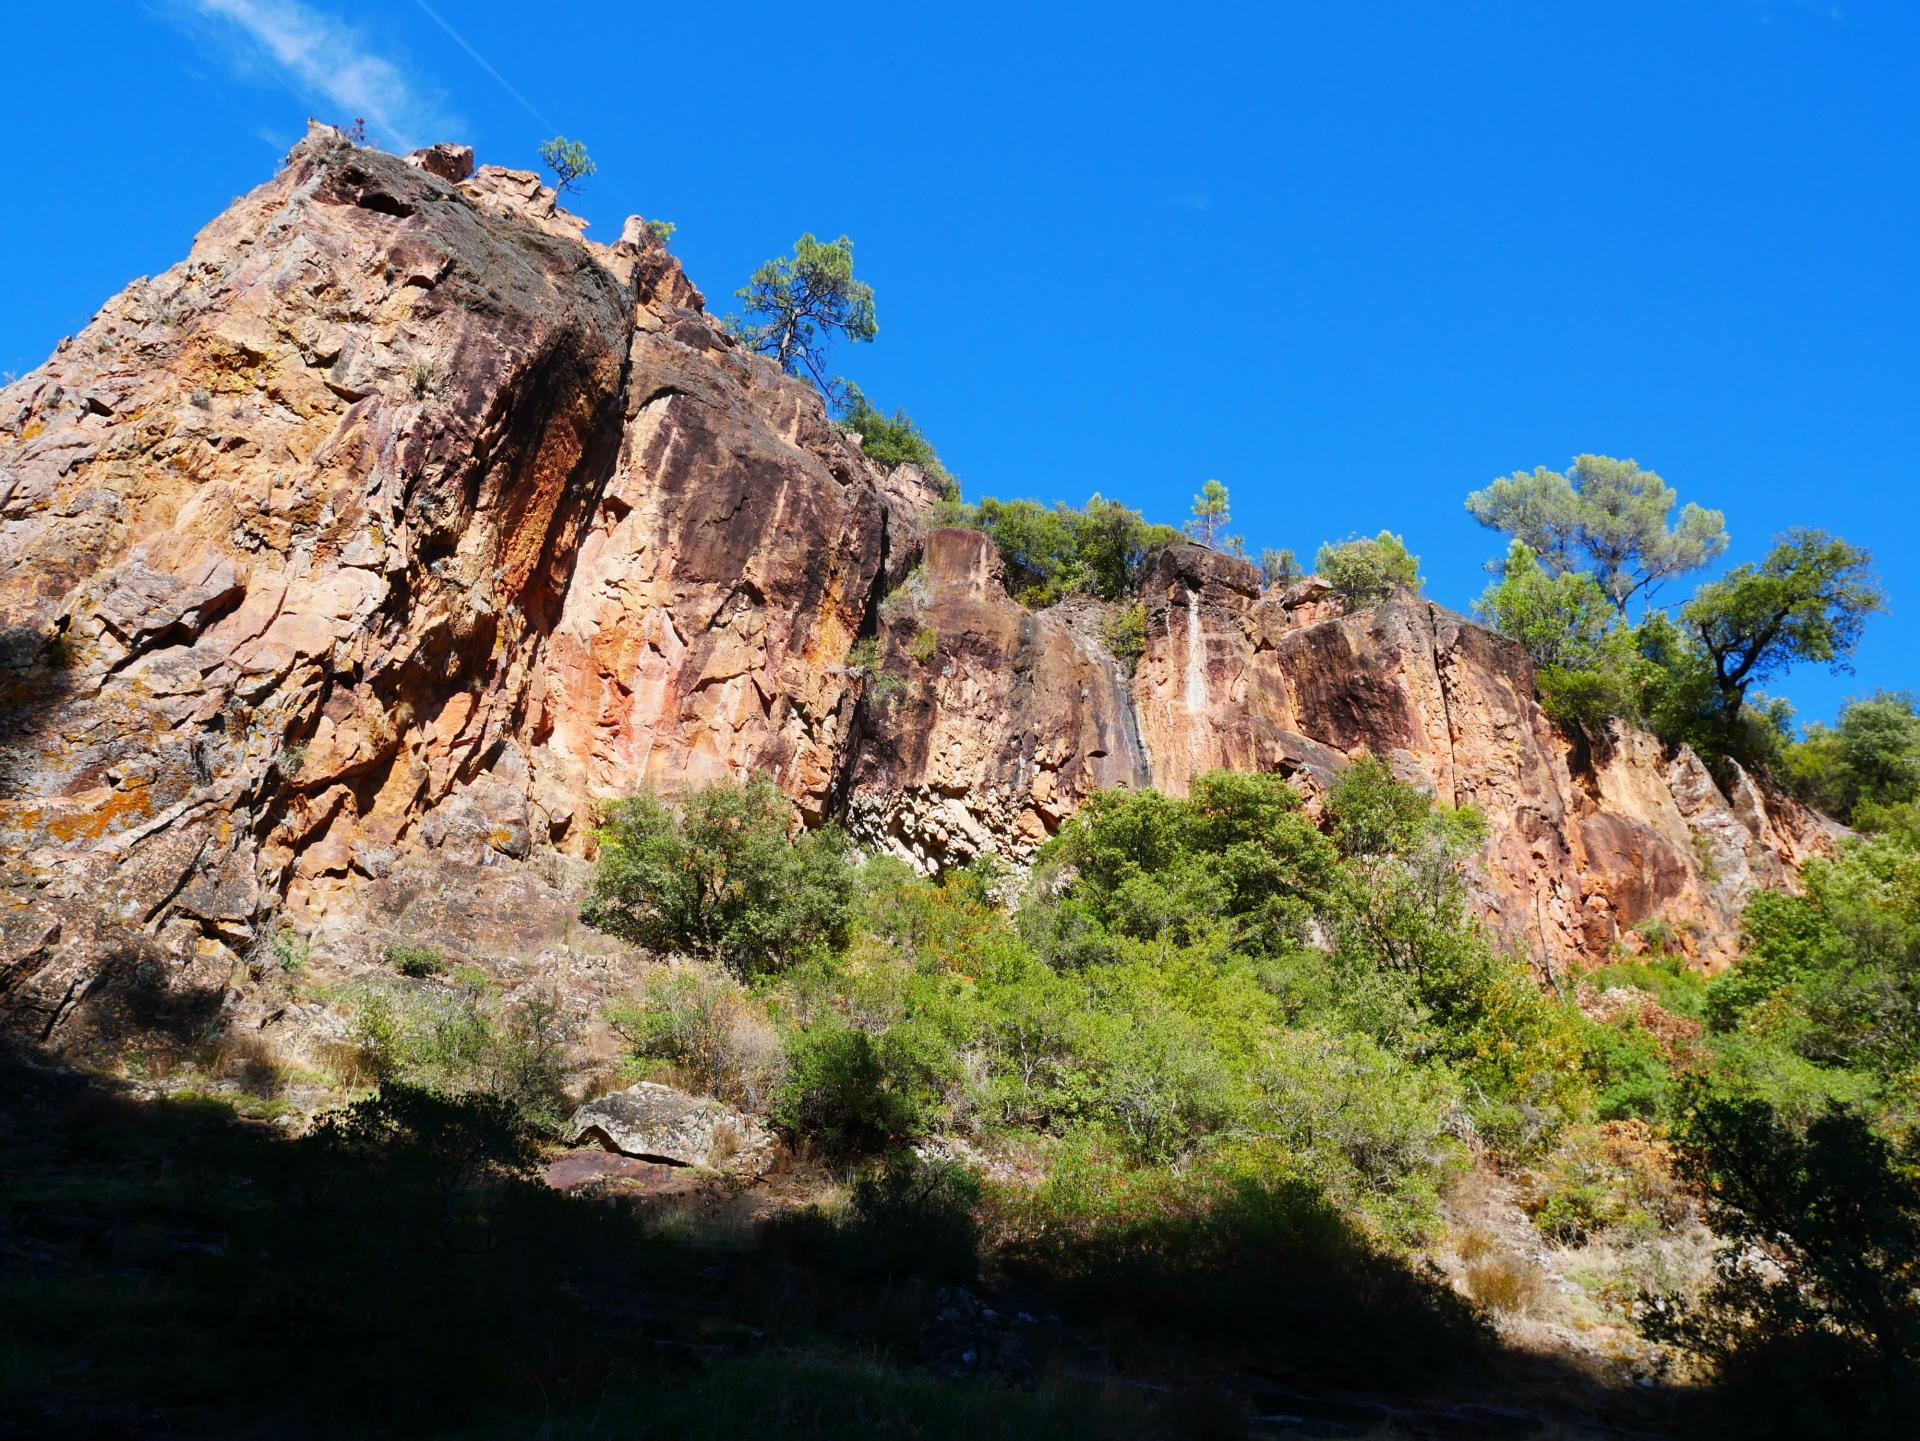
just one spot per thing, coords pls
(657, 1123)
(401, 522)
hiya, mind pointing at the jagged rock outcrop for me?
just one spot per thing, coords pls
(1585, 840)
(400, 521)
(395, 516)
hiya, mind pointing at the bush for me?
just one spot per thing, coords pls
(1814, 1314)
(1560, 619)
(1233, 1252)
(1279, 567)
(417, 962)
(1125, 634)
(1508, 1285)
(1611, 1179)
(291, 950)
(1050, 554)
(707, 1027)
(1870, 759)
(1363, 571)
(895, 440)
(914, 1215)
(461, 1042)
(849, 1093)
(721, 880)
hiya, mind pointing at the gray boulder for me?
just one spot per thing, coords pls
(658, 1123)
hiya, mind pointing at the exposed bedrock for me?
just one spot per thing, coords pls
(400, 521)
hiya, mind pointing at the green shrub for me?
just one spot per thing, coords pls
(1233, 1252)
(1560, 619)
(721, 880)
(895, 440)
(1814, 1314)
(708, 1028)
(924, 645)
(1280, 568)
(417, 962)
(849, 1093)
(460, 1041)
(1050, 554)
(291, 950)
(904, 1218)
(1125, 634)
(1363, 571)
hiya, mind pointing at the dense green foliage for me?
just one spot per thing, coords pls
(1362, 571)
(796, 305)
(1185, 977)
(1561, 618)
(568, 160)
(1689, 681)
(1866, 769)
(893, 440)
(1808, 601)
(1604, 517)
(1053, 552)
(720, 879)
(1813, 1318)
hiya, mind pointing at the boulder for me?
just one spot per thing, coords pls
(652, 1122)
(452, 163)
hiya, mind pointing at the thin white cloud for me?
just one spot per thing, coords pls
(328, 62)
(482, 62)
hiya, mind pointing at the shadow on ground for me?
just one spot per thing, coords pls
(169, 1268)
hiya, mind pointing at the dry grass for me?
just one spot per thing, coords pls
(1506, 1285)
(1473, 1243)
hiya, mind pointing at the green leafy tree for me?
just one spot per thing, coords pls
(569, 162)
(1560, 619)
(893, 440)
(1279, 567)
(1865, 765)
(721, 880)
(1362, 571)
(796, 305)
(1210, 514)
(1607, 517)
(1051, 553)
(1808, 601)
(1813, 1317)
(1833, 974)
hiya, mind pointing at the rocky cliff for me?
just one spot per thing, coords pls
(400, 523)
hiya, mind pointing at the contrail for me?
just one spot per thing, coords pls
(481, 61)
(619, 194)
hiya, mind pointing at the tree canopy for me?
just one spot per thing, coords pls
(1362, 570)
(797, 304)
(1210, 514)
(569, 162)
(720, 880)
(1052, 552)
(1560, 619)
(1807, 601)
(1607, 517)
(891, 440)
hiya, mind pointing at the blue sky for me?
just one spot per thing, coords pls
(1352, 259)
